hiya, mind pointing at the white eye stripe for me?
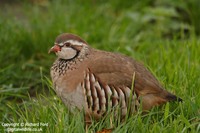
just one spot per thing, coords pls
(60, 44)
(73, 42)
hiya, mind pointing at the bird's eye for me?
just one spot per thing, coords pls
(67, 44)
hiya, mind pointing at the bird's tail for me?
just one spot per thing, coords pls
(172, 97)
(150, 100)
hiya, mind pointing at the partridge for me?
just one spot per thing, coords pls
(96, 81)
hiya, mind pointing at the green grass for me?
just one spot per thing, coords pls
(162, 35)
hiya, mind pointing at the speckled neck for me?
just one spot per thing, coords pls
(60, 66)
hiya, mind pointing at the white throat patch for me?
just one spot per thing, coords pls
(66, 53)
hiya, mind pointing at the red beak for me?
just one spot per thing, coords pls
(55, 48)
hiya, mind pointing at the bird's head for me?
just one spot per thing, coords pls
(68, 46)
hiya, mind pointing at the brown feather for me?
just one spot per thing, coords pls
(117, 70)
(95, 79)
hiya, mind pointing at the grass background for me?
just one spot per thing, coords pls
(164, 35)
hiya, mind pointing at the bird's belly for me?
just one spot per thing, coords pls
(74, 99)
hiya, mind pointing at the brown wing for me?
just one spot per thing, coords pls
(117, 70)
